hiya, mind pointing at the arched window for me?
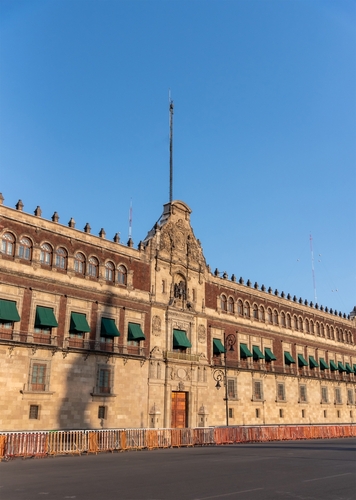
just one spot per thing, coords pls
(255, 312)
(289, 322)
(7, 244)
(332, 333)
(307, 325)
(261, 313)
(337, 334)
(317, 329)
(46, 254)
(230, 305)
(109, 271)
(322, 332)
(312, 327)
(283, 319)
(240, 307)
(275, 317)
(25, 247)
(121, 275)
(246, 310)
(223, 302)
(93, 268)
(295, 322)
(269, 315)
(300, 324)
(61, 258)
(79, 263)
(327, 331)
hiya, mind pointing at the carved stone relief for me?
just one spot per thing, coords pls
(156, 326)
(201, 334)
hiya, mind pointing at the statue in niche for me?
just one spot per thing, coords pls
(179, 290)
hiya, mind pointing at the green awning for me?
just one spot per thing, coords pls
(269, 354)
(8, 311)
(78, 323)
(333, 366)
(257, 354)
(288, 359)
(301, 361)
(323, 364)
(108, 328)
(45, 317)
(135, 332)
(348, 368)
(341, 367)
(244, 351)
(355, 369)
(312, 362)
(218, 348)
(180, 340)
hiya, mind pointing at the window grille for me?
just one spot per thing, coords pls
(302, 393)
(34, 412)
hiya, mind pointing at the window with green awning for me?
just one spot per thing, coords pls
(355, 369)
(288, 359)
(78, 323)
(301, 361)
(218, 348)
(245, 351)
(135, 333)
(348, 368)
(109, 328)
(269, 355)
(341, 367)
(312, 362)
(323, 364)
(8, 311)
(45, 317)
(180, 340)
(257, 354)
(333, 366)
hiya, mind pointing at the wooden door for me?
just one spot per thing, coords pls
(179, 409)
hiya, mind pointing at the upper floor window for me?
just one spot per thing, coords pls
(311, 326)
(261, 313)
(307, 325)
(288, 318)
(46, 254)
(255, 312)
(240, 307)
(331, 332)
(269, 315)
(275, 317)
(25, 248)
(230, 305)
(109, 271)
(61, 258)
(7, 244)
(223, 303)
(295, 322)
(79, 263)
(322, 332)
(93, 268)
(246, 310)
(283, 319)
(300, 324)
(327, 331)
(122, 275)
(318, 329)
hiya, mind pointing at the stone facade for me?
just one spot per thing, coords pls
(97, 334)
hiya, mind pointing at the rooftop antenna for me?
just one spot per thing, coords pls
(170, 147)
(130, 219)
(313, 271)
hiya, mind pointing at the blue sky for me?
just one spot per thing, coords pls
(264, 127)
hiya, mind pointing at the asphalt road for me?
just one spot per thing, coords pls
(303, 470)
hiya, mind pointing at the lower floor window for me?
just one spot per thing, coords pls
(34, 412)
(102, 412)
(104, 380)
(38, 377)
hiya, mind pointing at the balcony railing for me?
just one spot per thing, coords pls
(184, 356)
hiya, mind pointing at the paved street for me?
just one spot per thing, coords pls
(308, 470)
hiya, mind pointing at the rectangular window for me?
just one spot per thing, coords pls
(338, 400)
(325, 413)
(302, 394)
(338, 413)
(257, 413)
(231, 388)
(303, 413)
(34, 412)
(324, 394)
(350, 396)
(231, 413)
(102, 412)
(38, 376)
(104, 380)
(257, 390)
(281, 396)
(281, 413)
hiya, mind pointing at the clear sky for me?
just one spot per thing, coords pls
(264, 127)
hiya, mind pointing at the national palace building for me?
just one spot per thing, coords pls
(99, 334)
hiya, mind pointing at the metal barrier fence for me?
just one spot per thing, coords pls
(44, 443)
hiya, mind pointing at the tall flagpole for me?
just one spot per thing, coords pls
(170, 148)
